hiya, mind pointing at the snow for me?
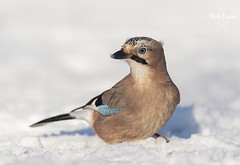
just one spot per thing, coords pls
(55, 56)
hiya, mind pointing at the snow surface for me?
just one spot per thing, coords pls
(55, 56)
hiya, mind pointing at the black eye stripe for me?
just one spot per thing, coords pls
(139, 60)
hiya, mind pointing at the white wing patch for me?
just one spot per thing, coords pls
(85, 113)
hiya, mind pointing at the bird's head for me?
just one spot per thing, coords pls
(143, 54)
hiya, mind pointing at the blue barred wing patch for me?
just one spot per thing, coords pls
(106, 111)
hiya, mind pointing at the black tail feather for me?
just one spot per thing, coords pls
(52, 119)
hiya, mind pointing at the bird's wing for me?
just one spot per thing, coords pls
(109, 102)
(96, 101)
(115, 98)
(105, 108)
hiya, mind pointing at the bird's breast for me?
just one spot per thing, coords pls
(153, 106)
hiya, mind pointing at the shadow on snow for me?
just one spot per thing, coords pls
(88, 131)
(182, 124)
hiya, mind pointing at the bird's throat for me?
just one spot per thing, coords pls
(144, 76)
(139, 72)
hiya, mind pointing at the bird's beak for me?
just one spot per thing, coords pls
(120, 55)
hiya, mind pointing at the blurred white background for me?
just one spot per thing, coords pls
(55, 55)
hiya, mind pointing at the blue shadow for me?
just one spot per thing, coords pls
(182, 124)
(88, 131)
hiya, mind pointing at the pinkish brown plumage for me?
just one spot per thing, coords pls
(147, 96)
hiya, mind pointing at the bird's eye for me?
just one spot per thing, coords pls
(142, 50)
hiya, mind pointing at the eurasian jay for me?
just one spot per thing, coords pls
(139, 105)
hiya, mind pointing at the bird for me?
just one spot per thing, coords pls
(136, 107)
